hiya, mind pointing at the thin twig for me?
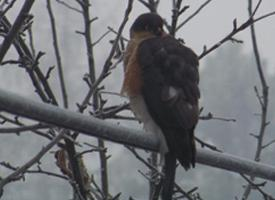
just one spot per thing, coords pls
(155, 169)
(264, 16)
(15, 29)
(31, 41)
(57, 55)
(108, 63)
(235, 30)
(30, 63)
(36, 72)
(38, 171)
(263, 99)
(16, 122)
(114, 31)
(9, 6)
(100, 38)
(111, 111)
(210, 116)
(34, 127)
(204, 144)
(31, 162)
(85, 5)
(175, 16)
(268, 144)
(193, 15)
(257, 187)
(152, 5)
(67, 5)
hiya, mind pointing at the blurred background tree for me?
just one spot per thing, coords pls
(228, 77)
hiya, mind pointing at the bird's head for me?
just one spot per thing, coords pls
(148, 24)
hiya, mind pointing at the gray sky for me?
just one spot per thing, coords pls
(207, 28)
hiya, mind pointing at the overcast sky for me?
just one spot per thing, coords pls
(207, 28)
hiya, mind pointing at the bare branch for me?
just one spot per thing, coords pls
(100, 38)
(263, 98)
(67, 5)
(57, 55)
(152, 5)
(235, 30)
(210, 116)
(30, 63)
(9, 6)
(114, 31)
(38, 171)
(175, 16)
(31, 42)
(21, 170)
(108, 62)
(210, 146)
(17, 130)
(16, 122)
(257, 187)
(268, 144)
(85, 5)
(264, 16)
(157, 173)
(193, 15)
(15, 28)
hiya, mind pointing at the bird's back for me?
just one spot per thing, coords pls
(170, 90)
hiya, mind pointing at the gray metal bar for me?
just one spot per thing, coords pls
(91, 126)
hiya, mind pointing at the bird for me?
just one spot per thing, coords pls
(161, 80)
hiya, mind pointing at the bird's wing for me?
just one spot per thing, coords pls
(170, 89)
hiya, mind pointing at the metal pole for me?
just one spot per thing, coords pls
(91, 126)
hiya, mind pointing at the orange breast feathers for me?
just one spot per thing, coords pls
(132, 71)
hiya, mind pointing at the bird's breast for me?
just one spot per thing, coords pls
(140, 110)
(132, 83)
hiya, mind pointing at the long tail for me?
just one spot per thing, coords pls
(186, 150)
(169, 176)
(182, 147)
(182, 144)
